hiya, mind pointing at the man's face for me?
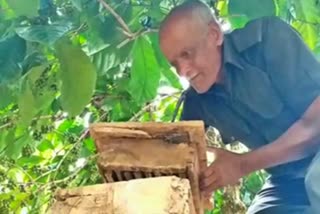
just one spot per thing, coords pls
(194, 50)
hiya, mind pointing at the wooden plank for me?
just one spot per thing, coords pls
(165, 195)
(152, 145)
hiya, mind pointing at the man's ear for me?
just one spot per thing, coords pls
(216, 32)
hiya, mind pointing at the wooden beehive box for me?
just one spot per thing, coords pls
(142, 150)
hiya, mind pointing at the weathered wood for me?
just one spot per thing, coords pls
(154, 149)
(161, 195)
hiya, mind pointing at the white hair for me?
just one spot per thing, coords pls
(193, 8)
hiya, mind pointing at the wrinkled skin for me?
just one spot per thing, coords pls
(194, 49)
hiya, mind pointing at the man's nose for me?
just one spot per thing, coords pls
(183, 69)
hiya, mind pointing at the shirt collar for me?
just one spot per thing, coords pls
(230, 55)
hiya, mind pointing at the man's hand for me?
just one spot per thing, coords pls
(226, 169)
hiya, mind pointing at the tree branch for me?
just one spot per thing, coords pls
(83, 135)
(116, 16)
(136, 35)
(147, 107)
(63, 180)
(3, 126)
(20, 168)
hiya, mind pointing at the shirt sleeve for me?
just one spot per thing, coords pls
(292, 67)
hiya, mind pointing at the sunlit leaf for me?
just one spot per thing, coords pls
(45, 145)
(282, 7)
(76, 70)
(32, 160)
(19, 199)
(307, 14)
(6, 12)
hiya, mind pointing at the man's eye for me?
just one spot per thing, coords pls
(185, 54)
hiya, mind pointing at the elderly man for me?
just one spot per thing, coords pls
(259, 85)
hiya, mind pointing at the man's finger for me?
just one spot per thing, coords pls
(206, 176)
(212, 187)
(210, 170)
(205, 182)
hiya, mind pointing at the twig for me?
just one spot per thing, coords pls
(35, 119)
(63, 180)
(81, 28)
(147, 107)
(116, 16)
(20, 168)
(83, 135)
(136, 35)
(6, 125)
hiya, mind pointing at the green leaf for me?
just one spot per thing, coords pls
(26, 103)
(19, 199)
(241, 11)
(106, 26)
(12, 53)
(31, 161)
(3, 142)
(45, 145)
(84, 152)
(120, 109)
(109, 57)
(78, 4)
(35, 93)
(6, 11)
(169, 110)
(44, 34)
(145, 72)
(24, 8)
(5, 196)
(14, 148)
(89, 144)
(282, 7)
(78, 77)
(307, 14)
(7, 96)
(105, 59)
(165, 67)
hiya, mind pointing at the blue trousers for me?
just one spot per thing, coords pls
(312, 183)
(294, 196)
(284, 196)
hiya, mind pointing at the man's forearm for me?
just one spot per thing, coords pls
(299, 141)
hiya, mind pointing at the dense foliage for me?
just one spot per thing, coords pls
(67, 63)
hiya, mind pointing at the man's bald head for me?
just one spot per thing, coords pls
(191, 40)
(192, 11)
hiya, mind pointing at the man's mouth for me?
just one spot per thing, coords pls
(191, 78)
